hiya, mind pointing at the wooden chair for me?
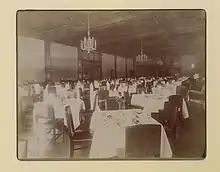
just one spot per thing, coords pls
(52, 90)
(178, 90)
(177, 100)
(171, 120)
(184, 92)
(86, 91)
(86, 102)
(78, 139)
(195, 95)
(127, 99)
(111, 103)
(102, 95)
(143, 141)
(103, 84)
(149, 90)
(86, 86)
(156, 116)
(85, 95)
(80, 93)
(51, 124)
(27, 104)
(140, 89)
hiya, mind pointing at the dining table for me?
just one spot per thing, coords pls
(41, 135)
(154, 102)
(109, 131)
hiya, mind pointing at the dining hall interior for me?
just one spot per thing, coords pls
(111, 84)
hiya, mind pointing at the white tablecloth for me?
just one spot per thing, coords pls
(151, 102)
(40, 133)
(37, 88)
(92, 99)
(154, 103)
(59, 110)
(132, 89)
(76, 105)
(108, 137)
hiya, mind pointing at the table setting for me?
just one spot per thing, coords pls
(109, 129)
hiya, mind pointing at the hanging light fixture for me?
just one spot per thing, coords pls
(159, 62)
(88, 43)
(141, 57)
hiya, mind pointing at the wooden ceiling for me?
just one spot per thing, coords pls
(164, 32)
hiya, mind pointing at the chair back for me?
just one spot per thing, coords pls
(103, 94)
(111, 103)
(176, 100)
(86, 86)
(45, 118)
(178, 89)
(86, 93)
(127, 99)
(103, 84)
(80, 92)
(197, 95)
(143, 141)
(139, 89)
(149, 90)
(184, 92)
(69, 118)
(169, 112)
(27, 103)
(52, 90)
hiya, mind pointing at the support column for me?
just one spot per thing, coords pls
(115, 59)
(134, 67)
(48, 62)
(101, 56)
(126, 68)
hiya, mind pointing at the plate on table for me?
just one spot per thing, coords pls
(138, 111)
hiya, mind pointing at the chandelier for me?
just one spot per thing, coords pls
(159, 62)
(141, 57)
(88, 43)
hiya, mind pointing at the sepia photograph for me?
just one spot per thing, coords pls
(111, 84)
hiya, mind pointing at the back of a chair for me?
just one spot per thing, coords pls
(103, 94)
(178, 90)
(86, 101)
(127, 98)
(197, 95)
(69, 118)
(111, 103)
(80, 92)
(139, 89)
(46, 118)
(103, 84)
(184, 92)
(149, 90)
(52, 90)
(143, 141)
(86, 86)
(176, 100)
(169, 112)
(27, 102)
